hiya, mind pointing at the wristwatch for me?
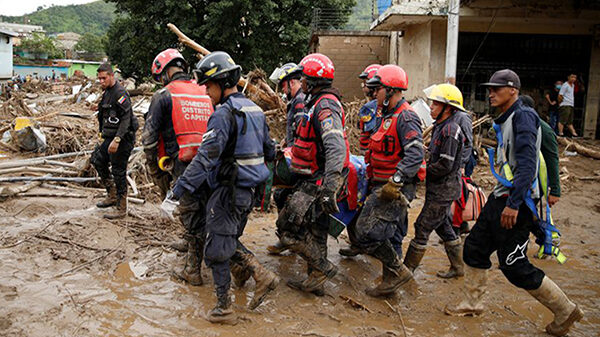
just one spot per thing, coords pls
(397, 178)
(117, 139)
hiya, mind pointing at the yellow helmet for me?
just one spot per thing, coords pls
(448, 94)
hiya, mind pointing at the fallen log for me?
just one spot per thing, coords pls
(40, 160)
(582, 150)
(38, 170)
(267, 95)
(46, 178)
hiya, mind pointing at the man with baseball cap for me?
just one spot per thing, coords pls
(508, 218)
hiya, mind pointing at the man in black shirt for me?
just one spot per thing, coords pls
(117, 125)
(552, 98)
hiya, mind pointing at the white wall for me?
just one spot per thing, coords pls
(6, 56)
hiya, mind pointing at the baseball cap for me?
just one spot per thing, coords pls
(504, 78)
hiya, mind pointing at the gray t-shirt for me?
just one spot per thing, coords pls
(567, 91)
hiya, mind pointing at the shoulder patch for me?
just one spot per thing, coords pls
(324, 114)
(122, 99)
(327, 124)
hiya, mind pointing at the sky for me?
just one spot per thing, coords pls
(20, 7)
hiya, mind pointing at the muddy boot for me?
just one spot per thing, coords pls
(222, 312)
(191, 271)
(414, 255)
(475, 286)
(240, 274)
(350, 251)
(277, 248)
(315, 281)
(298, 285)
(395, 274)
(120, 210)
(266, 281)
(111, 195)
(566, 313)
(457, 266)
(179, 245)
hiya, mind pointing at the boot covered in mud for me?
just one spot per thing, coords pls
(222, 312)
(277, 248)
(474, 288)
(454, 251)
(299, 284)
(266, 281)
(111, 194)
(191, 271)
(414, 255)
(120, 210)
(315, 281)
(179, 245)
(395, 274)
(566, 313)
(240, 272)
(350, 251)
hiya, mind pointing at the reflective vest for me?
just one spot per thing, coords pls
(246, 143)
(305, 156)
(385, 149)
(505, 178)
(190, 113)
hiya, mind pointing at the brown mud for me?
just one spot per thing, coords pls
(64, 271)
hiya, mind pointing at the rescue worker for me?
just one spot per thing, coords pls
(117, 125)
(395, 156)
(288, 79)
(369, 119)
(443, 181)
(231, 159)
(175, 124)
(507, 219)
(320, 154)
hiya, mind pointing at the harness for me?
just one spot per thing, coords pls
(546, 225)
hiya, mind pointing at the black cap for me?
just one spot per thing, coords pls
(504, 78)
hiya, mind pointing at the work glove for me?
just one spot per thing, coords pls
(392, 190)
(168, 206)
(328, 195)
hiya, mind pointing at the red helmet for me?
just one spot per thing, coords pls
(317, 66)
(369, 71)
(390, 76)
(164, 59)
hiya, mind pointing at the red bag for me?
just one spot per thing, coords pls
(470, 204)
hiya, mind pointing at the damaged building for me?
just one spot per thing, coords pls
(543, 41)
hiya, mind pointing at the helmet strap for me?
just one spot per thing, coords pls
(386, 102)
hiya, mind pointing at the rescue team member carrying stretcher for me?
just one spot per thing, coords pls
(510, 213)
(117, 125)
(320, 158)
(443, 182)
(231, 159)
(175, 124)
(394, 158)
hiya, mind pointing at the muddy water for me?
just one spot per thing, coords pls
(130, 291)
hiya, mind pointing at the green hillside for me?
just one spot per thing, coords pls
(94, 18)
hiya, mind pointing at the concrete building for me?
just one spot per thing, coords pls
(67, 42)
(351, 52)
(21, 30)
(543, 41)
(6, 53)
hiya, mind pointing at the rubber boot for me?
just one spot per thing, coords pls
(350, 251)
(222, 312)
(315, 281)
(395, 274)
(111, 194)
(180, 245)
(191, 271)
(277, 248)
(299, 285)
(240, 274)
(566, 313)
(474, 288)
(266, 281)
(120, 210)
(414, 255)
(454, 252)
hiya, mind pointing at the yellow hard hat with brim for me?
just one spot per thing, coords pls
(448, 94)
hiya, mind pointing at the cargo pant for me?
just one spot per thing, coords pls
(435, 216)
(115, 164)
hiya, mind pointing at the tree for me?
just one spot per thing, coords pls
(260, 34)
(38, 43)
(90, 43)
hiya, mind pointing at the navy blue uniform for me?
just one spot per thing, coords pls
(442, 183)
(232, 160)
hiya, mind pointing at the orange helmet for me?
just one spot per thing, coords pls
(390, 76)
(164, 59)
(369, 71)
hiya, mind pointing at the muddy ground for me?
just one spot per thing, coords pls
(64, 271)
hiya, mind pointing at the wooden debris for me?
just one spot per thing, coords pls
(572, 145)
(355, 304)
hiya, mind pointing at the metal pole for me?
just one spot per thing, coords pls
(452, 40)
